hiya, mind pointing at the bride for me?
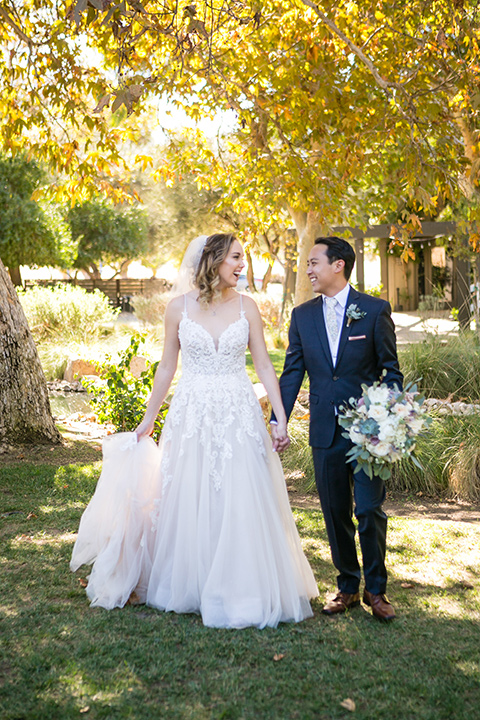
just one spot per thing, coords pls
(201, 523)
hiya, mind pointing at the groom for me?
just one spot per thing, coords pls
(342, 338)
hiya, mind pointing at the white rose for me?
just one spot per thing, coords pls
(416, 425)
(357, 437)
(381, 449)
(379, 395)
(387, 432)
(402, 410)
(378, 413)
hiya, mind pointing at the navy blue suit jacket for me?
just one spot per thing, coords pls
(367, 347)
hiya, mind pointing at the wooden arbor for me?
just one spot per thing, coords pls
(392, 269)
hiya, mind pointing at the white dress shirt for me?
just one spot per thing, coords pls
(341, 299)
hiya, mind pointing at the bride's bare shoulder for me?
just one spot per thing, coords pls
(249, 304)
(175, 307)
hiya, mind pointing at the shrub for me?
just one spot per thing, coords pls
(375, 290)
(151, 309)
(276, 327)
(447, 369)
(297, 460)
(450, 456)
(122, 401)
(270, 310)
(66, 311)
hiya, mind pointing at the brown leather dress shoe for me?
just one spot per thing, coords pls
(340, 603)
(381, 608)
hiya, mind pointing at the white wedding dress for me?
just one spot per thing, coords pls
(200, 523)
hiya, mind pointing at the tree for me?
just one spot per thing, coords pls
(177, 212)
(50, 88)
(345, 111)
(30, 234)
(25, 415)
(106, 235)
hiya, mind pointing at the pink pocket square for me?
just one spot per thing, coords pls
(357, 337)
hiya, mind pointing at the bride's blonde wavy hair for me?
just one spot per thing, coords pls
(207, 279)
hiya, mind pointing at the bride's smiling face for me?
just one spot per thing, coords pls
(230, 269)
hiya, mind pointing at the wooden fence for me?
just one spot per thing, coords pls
(119, 291)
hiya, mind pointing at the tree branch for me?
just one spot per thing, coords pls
(4, 14)
(386, 85)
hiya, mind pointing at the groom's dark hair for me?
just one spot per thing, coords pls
(339, 249)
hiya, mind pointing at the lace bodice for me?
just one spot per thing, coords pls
(214, 398)
(201, 357)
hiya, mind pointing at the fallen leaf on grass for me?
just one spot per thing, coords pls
(348, 704)
(467, 585)
(83, 582)
(408, 586)
(278, 656)
(31, 516)
(85, 709)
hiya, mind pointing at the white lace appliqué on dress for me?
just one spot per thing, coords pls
(213, 396)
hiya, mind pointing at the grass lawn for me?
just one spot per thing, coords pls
(60, 659)
(276, 356)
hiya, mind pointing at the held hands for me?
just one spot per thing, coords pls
(280, 439)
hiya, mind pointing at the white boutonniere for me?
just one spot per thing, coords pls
(354, 313)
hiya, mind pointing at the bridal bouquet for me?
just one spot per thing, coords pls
(383, 425)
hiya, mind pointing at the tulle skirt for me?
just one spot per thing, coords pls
(228, 550)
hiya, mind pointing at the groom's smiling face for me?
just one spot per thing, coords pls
(327, 278)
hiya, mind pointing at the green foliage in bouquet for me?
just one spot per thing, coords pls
(122, 401)
(383, 425)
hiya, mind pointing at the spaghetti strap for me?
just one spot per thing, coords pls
(185, 314)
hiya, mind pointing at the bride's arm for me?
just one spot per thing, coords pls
(265, 371)
(166, 367)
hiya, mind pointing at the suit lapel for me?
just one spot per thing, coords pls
(353, 295)
(321, 329)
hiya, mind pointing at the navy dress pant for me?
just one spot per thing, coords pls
(340, 491)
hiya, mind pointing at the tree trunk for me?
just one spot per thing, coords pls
(461, 286)
(308, 228)
(267, 277)
(25, 415)
(250, 274)
(15, 276)
(123, 272)
(93, 272)
(290, 271)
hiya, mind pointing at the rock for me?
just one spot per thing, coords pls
(79, 368)
(95, 380)
(62, 387)
(444, 407)
(138, 365)
(262, 397)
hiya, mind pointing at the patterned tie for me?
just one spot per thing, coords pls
(332, 324)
